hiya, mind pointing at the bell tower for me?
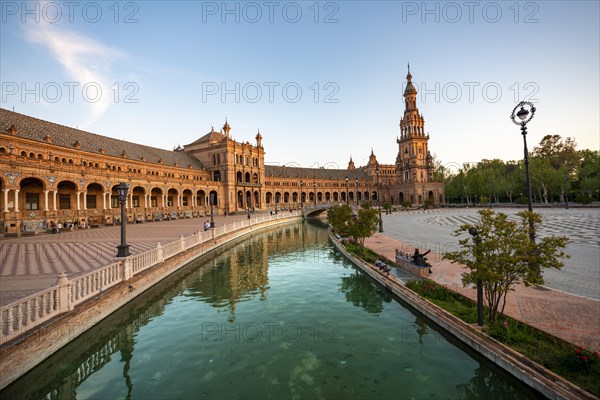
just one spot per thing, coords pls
(413, 163)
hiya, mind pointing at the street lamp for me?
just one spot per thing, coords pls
(524, 116)
(315, 187)
(301, 199)
(347, 199)
(210, 200)
(477, 240)
(356, 197)
(379, 198)
(123, 248)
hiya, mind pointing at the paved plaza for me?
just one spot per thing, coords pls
(432, 229)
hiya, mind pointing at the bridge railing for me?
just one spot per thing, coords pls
(28, 313)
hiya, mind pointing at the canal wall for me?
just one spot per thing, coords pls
(535, 376)
(81, 303)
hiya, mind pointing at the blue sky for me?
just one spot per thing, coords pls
(323, 81)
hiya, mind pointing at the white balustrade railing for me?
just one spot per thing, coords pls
(20, 316)
(92, 283)
(170, 249)
(23, 315)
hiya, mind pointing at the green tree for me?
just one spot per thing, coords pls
(364, 225)
(339, 217)
(503, 255)
(560, 154)
(588, 175)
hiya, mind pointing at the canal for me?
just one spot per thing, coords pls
(277, 315)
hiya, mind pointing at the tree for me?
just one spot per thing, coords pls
(338, 217)
(502, 255)
(588, 176)
(558, 152)
(366, 223)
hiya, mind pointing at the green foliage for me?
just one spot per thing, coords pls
(364, 225)
(583, 198)
(365, 253)
(556, 167)
(502, 255)
(452, 302)
(428, 203)
(387, 206)
(521, 200)
(576, 364)
(339, 217)
(365, 204)
(406, 204)
(484, 200)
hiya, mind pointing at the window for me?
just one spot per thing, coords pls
(64, 201)
(135, 201)
(169, 201)
(90, 200)
(114, 201)
(153, 201)
(32, 201)
(184, 201)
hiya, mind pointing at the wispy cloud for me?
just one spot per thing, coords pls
(86, 60)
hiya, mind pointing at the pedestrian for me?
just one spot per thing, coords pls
(59, 227)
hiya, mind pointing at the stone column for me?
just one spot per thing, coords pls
(17, 200)
(5, 199)
(104, 194)
(84, 194)
(54, 205)
(45, 200)
(78, 204)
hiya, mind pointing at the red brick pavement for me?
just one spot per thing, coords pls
(572, 318)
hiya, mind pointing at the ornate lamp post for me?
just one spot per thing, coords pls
(356, 197)
(379, 198)
(315, 187)
(210, 200)
(525, 115)
(477, 241)
(301, 199)
(123, 248)
(347, 199)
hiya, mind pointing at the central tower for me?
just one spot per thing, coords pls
(414, 163)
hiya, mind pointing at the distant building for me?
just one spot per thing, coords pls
(51, 173)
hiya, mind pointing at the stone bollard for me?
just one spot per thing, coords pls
(64, 299)
(160, 254)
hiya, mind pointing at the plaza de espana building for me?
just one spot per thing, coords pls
(54, 173)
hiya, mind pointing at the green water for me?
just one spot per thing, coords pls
(278, 315)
